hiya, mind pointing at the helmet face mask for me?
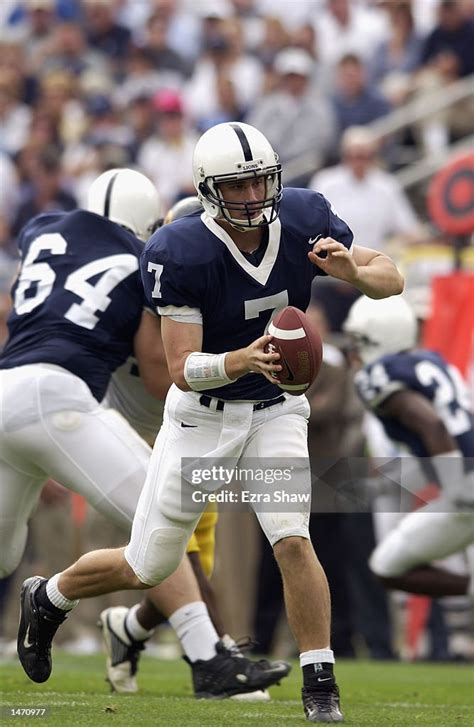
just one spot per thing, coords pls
(362, 348)
(246, 217)
(234, 153)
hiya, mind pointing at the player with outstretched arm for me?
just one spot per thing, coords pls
(215, 279)
(78, 313)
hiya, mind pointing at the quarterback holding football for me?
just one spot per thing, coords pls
(216, 278)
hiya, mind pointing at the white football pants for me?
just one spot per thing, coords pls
(52, 426)
(162, 527)
(422, 537)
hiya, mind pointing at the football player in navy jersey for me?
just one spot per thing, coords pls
(215, 279)
(423, 404)
(78, 309)
(131, 628)
(78, 313)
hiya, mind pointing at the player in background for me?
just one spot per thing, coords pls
(215, 280)
(423, 405)
(78, 313)
(127, 395)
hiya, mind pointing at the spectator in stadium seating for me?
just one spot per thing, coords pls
(292, 16)
(13, 57)
(183, 25)
(355, 101)
(358, 185)
(15, 116)
(275, 37)
(166, 157)
(304, 37)
(296, 118)
(223, 62)
(140, 118)
(105, 124)
(59, 100)
(104, 33)
(66, 50)
(35, 24)
(454, 32)
(344, 27)
(437, 130)
(398, 55)
(47, 191)
(164, 57)
(354, 186)
(141, 76)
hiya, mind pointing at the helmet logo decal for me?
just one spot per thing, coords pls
(108, 195)
(244, 142)
(249, 166)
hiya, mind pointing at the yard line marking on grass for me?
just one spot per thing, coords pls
(267, 715)
(421, 705)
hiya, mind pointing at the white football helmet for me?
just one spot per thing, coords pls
(381, 327)
(236, 151)
(128, 198)
(181, 208)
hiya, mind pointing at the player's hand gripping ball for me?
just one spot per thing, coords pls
(299, 344)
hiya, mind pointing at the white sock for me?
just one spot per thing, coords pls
(195, 631)
(134, 627)
(56, 597)
(317, 656)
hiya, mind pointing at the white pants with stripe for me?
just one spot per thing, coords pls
(422, 537)
(52, 426)
(161, 527)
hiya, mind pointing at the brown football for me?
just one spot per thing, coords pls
(299, 344)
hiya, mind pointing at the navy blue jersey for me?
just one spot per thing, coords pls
(194, 263)
(427, 373)
(78, 298)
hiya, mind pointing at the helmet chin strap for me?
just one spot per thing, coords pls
(241, 228)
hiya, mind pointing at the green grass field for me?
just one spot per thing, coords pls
(375, 694)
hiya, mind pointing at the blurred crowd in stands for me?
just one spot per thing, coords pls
(89, 85)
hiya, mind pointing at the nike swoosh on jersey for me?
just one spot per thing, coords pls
(325, 679)
(313, 240)
(193, 426)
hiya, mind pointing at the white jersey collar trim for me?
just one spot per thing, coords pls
(262, 272)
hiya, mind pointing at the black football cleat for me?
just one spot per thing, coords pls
(35, 632)
(321, 703)
(229, 673)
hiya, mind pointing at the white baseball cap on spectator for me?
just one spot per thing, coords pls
(295, 61)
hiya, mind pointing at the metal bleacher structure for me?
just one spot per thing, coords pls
(417, 168)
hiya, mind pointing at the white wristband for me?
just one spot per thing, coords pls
(206, 371)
